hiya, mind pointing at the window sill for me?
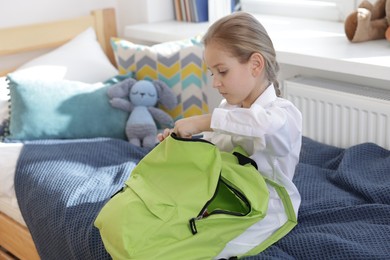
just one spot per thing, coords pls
(307, 43)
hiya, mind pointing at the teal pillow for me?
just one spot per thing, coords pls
(63, 109)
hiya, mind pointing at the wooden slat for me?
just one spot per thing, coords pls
(6, 256)
(105, 27)
(5, 72)
(16, 239)
(41, 36)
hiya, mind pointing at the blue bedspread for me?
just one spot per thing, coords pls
(61, 187)
(345, 211)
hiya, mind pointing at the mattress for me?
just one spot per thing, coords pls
(9, 153)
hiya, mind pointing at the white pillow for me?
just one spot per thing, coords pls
(81, 59)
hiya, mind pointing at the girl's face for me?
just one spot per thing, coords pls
(238, 83)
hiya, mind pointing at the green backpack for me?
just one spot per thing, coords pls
(186, 200)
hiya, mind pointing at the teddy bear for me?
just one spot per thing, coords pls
(140, 98)
(368, 22)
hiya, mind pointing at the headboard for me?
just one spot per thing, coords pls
(21, 39)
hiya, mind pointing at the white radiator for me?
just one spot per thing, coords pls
(339, 113)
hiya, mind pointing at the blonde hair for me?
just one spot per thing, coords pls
(242, 35)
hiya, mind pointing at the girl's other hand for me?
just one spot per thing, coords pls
(161, 136)
(187, 127)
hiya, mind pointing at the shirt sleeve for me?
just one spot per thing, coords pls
(254, 122)
(272, 128)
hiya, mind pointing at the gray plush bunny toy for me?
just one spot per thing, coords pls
(140, 98)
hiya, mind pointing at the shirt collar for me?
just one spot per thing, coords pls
(267, 96)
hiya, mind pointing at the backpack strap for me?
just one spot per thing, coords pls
(242, 159)
(285, 228)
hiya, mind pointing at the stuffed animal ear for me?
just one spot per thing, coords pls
(350, 25)
(166, 96)
(367, 23)
(121, 89)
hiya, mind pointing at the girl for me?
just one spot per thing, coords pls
(242, 60)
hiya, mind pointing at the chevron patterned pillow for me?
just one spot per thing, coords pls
(179, 64)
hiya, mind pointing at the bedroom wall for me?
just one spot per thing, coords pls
(128, 11)
(20, 12)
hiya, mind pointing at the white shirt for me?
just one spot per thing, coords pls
(270, 131)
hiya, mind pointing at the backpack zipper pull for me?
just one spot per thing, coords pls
(193, 226)
(192, 221)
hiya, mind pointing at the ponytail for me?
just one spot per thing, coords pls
(277, 88)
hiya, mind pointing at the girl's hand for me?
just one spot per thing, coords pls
(161, 136)
(187, 127)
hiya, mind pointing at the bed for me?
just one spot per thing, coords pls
(14, 236)
(345, 211)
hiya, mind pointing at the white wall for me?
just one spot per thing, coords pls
(20, 12)
(143, 11)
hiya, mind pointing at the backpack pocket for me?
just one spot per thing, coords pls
(156, 201)
(132, 220)
(228, 200)
(241, 195)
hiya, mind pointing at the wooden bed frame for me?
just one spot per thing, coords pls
(15, 238)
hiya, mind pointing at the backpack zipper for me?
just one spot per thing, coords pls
(203, 213)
